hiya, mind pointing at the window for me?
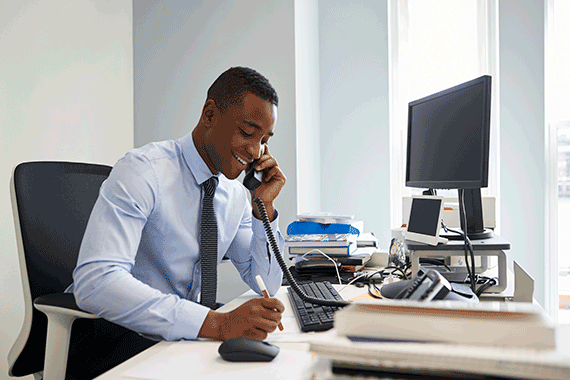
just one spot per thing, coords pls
(558, 124)
(436, 45)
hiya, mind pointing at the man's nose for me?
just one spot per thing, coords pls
(255, 150)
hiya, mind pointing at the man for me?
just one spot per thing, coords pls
(139, 264)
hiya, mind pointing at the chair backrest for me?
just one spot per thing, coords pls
(52, 202)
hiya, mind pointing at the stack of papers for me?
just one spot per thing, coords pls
(325, 218)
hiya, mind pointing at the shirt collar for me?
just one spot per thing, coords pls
(194, 161)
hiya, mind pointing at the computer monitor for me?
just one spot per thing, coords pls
(448, 145)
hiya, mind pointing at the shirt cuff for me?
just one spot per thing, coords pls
(189, 321)
(259, 229)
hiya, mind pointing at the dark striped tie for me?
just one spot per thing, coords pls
(209, 245)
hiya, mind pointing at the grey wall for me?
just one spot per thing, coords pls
(181, 47)
(66, 85)
(522, 145)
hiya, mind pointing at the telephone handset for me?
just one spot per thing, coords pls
(427, 286)
(251, 181)
(430, 285)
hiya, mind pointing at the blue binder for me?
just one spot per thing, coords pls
(305, 228)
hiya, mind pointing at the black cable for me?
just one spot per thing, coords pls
(403, 275)
(372, 284)
(467, 242)
(468, 247)
(288, 275)
(487, 283)
(484, 281)
(447, 229)
(436, 262)
(371, 294)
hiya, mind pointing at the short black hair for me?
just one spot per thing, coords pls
(230, 87)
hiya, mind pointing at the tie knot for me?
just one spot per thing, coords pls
(210, 186)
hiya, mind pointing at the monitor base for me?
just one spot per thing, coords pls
(485, 234)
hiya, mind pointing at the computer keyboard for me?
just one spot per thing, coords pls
(314, 317)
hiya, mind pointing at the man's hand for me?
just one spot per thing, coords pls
(273, 182)
(255, 318)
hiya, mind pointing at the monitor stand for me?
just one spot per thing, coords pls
(473, 215)
(485, 234)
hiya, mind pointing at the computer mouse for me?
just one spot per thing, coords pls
(244, 349)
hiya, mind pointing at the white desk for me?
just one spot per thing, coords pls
(200, 359)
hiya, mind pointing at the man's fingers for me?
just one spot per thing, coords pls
(255, 319)
(255, 333)
(272, 304)
(265, 162)
(265, 324)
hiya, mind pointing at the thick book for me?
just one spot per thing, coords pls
(367, 240)
(353, 259)
(500, 324)
(351, 268)
(317, 250)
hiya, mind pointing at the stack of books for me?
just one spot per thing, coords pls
(312, 236)
(458, 339)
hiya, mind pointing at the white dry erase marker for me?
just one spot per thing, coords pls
(261, 285)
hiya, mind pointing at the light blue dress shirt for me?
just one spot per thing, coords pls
(139, 262)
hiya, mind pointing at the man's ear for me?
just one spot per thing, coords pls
(209, 112)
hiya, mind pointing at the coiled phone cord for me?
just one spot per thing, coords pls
(277, 255)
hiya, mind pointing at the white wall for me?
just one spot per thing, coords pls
(354, 104)
(308, 111)
(180, 48)
(522, 150)
(65, 94)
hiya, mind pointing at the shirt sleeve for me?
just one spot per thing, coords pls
(251, 253)
(103, 283)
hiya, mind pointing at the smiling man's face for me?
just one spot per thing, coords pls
(236, 138)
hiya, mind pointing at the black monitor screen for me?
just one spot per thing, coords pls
(448, 137)
(424, 216)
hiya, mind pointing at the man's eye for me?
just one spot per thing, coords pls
(243, 132)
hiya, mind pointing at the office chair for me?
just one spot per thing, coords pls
(51, 202)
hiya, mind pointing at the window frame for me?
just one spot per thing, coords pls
(487, 26)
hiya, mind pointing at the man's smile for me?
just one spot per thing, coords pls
(242, 161)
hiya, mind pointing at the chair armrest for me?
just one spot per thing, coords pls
(61, 303)
(61, 310)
